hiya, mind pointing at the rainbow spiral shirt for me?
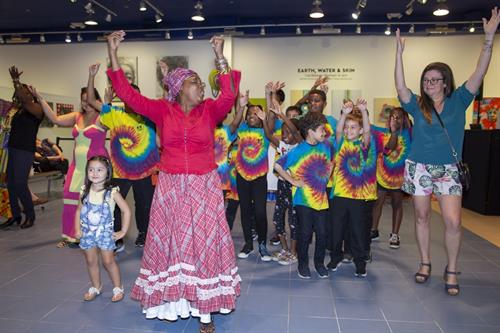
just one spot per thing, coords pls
(330, 129)
(232, 192)
(134, 154)
(391, 164)
(222, 141)
(251, 158)
(311, 164)
(355, 170)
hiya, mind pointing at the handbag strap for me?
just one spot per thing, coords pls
(453, 151)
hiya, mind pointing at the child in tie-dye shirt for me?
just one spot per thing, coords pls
(309, 166)
(394, 146)
(251, 180)
(355, 187)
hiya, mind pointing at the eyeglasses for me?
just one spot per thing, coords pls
(432, 81)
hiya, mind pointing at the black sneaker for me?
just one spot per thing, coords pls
(304, 272)
(374, 235)
(119, 246)
(275, 240)
(245, 251)
(347, 258)
(394, 241)
(322, 272)
(141, 239)
(334, 265)
(360, 271)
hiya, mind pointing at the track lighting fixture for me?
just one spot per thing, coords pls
(471, 28)
(42, 38)
(108, 18)
(167, 34)
(190, 34)
(142, 6)
(358, 29)
(298, 31)
(79, 37)
(68, 38)
(441, 8)
(198, 15)
(355, 14)
(412, 29)
(362, 4)
(2, 41)
(158, 18)
(316, 11)
(387, 31)
(262, 31)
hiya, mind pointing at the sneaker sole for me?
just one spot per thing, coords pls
(303, 276)
(265, 258)
(119, 249)
(360, 275)
(394, 247)
(375, 238)
(334, 269)
(275, 243)
(323, 276)
(244, 255)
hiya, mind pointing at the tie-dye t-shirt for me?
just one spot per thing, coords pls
(134, 154)
(391, 163)
(222, 142)
(330, 129)
(312, 165)
(355, 170)
(232, 192)
(251, 158)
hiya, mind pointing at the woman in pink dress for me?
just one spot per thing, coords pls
(90, 141)
(189, 266)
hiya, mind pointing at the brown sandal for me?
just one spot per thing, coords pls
(207, 328)
(422, 277)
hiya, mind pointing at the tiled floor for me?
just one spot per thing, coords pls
(41, 289)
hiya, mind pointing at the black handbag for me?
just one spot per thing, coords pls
(463, 168)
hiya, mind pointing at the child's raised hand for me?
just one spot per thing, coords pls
(361, 104)
(269, 87)
(400, 42)
(276, 108)
(109, 95)
(94, 68)
(278, 85)
(243, 98)
(347, 107)
(261, 114)
(320, 81)
(118, 235)
(324, 88)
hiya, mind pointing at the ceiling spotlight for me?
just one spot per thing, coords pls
(72, 1)
(387, 31)
(108, 18)
(68, 38)
(2, 41)
(471, 28)
(42, 38)
(262, 31)
(90, 21)
(79, 37)
(190, 34)
(362, 4)
(142, 6)
(316, 11)
(298, 31)
(88, 8)
(358, 29)
(355, 14)
(423, 2)
(412, 29)
(167, 34)
(409, 10)
(441, 8)
(158, 18)
(198, 15)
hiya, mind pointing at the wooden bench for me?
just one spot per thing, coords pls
(49, 176)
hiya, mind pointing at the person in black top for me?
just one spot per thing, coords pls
(21, 148)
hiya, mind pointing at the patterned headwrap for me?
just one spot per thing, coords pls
(174, 79)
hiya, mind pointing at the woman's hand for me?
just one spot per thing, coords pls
(115, 38)
(118, 235)
(93, 69)
(400, 42)
(35, 93)
(218, 46)
(490, 27)
(14, 73)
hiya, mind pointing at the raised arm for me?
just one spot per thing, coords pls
(280, 114)
(229, 82)
(139, 103)
(490, 27)
(66, 120)
(320, 81)
(339, 131)
(26, 99)
(361, 105)
(399, 76)
(268, 131)
(91, 99)
(240, 107)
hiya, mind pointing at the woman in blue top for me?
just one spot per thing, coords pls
(430, 167)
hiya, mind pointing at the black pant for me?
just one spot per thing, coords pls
(255, 192)
(309, 221)
(231, 209)
(329, 228)
(143, 195)
(20, 162)
(355, 214)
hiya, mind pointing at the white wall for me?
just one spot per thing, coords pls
(62, 69)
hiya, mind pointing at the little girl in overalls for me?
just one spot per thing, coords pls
(94, 225)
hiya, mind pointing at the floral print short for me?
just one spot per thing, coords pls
(425, 179)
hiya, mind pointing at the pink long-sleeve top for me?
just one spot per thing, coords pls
(187, 139)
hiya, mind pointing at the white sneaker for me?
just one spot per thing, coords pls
(394, 241)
